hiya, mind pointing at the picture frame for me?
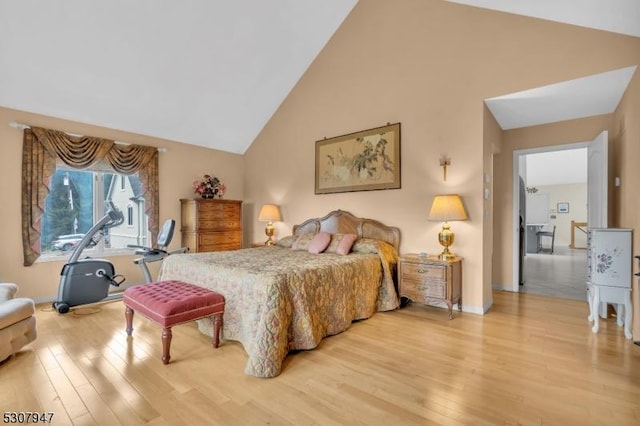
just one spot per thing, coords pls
(361, 161)
(563, 207)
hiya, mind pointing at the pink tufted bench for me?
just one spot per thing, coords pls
(170, 303)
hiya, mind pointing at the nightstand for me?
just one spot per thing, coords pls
(428, 279)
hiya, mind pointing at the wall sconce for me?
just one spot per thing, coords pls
(269, 213)
(444, 162)
(446, 208)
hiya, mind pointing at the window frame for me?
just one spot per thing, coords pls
(99, 198)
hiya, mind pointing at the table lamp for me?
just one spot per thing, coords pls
(269, 213)
(446, 208)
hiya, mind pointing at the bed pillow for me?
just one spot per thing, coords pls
(366, 245)
(302, 242)
(341, 243)
(319, 243)
(286, 242)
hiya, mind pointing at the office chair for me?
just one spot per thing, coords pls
(551, 234)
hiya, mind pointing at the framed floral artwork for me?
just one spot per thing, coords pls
(362, 161)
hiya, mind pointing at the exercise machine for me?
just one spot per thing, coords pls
(84, 281)
(157, 253)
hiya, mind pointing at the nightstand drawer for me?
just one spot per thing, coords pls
(420, 292)
(420, 272)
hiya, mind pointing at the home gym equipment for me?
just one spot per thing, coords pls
(84, 281)
(157, 253)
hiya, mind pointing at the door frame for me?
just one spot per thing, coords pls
(517, 155)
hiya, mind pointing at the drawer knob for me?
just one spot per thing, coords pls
(422, 271)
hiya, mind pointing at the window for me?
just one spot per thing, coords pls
(77, 200)
(130, 215)
(49, 154)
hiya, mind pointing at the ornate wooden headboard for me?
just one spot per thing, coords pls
(343, 222)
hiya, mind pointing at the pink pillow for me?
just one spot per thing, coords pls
(341, 243)
(345, 244)
(319, 243)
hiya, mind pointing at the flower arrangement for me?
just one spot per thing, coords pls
(209, 187)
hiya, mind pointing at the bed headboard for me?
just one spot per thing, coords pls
(343, 222)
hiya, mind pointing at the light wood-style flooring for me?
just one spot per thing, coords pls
(531, 360)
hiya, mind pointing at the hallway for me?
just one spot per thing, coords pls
(562, 274)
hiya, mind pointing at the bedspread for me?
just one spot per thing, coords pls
(278, 299)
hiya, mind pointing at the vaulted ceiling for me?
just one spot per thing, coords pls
(203, 72)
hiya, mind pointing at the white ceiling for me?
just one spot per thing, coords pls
(583, 97)
(557, 167)
(204, 72)
(618, 16)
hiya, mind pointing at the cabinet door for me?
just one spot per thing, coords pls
(610, 257)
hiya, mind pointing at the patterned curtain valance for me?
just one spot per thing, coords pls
(83, 151)
(42, 148)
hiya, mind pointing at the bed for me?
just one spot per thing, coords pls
(282, 298)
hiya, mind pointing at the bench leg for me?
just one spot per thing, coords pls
(217, 325)
(166, 344)
(128, 313)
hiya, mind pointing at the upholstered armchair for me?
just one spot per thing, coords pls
(17, 321)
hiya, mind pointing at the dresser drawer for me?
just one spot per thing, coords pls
(213, 238)
(219, 247)
(421, 272)
(420, 291)
(221, 224)
(218, 211)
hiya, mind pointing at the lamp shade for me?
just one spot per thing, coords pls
(269, 213)
(447, 208)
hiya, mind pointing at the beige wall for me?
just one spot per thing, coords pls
(180, 165)
(492, 142)
(626, 141)
(576, 195)
(427, 64)
(625, 138)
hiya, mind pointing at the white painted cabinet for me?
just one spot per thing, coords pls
(609, 273)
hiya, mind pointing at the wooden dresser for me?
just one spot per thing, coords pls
(211, 224)
(428, 279)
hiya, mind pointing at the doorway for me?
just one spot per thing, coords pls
(565, 207)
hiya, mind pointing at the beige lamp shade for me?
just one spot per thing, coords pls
(269, 213)
(447, 208)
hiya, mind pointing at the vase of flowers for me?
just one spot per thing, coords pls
(209, 187)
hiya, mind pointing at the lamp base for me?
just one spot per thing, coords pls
(446, 237)
(269, 230)
(446, 255)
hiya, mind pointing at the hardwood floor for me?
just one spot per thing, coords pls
(561, 274)
(531, 360)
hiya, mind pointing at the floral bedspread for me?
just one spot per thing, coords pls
(278, 299)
